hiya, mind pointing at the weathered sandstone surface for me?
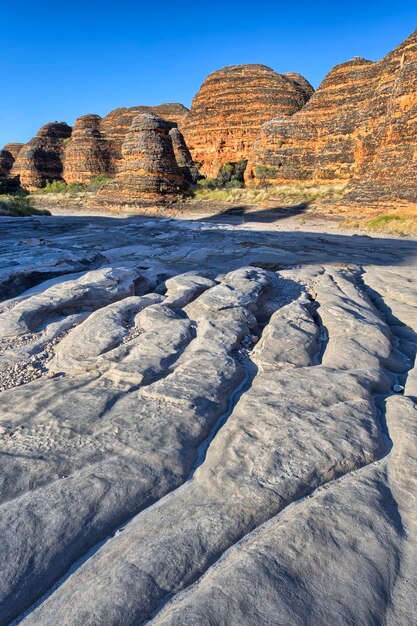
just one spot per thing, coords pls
(230, 107)
(148, 168)
(116, 124)
(8, 156)
(206, 424)
(41, 160)
(88, 153)
(183, 156)
(359, 126)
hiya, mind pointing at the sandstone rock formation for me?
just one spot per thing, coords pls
(148, 168)
(183, 156)
(230, 107)
(359, 126)
(187, 438)
(87, 154)
(8, 156)
(116, 124)
(41, 160)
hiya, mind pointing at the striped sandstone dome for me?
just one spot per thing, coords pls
(359, 126)
(231, 106)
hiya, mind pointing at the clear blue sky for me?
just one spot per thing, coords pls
(60, 60)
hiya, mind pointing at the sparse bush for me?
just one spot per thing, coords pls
(208, 183)
(233, 184)
(225, 174)
(263, 172)
(60, 186)
(230, 176)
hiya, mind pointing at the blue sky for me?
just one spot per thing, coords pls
(63, 60)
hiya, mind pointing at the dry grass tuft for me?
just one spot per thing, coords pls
(397, 222)
(285, 194)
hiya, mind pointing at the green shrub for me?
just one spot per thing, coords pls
(233, 184)
(225, 174)
(263, 172)
(60, 186)
(230, 176)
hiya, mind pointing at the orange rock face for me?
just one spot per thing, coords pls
(7, 158)
(116, 124)
(41, 160)
(148, 168)
(360, 126)
(230, 107)
(87, 154)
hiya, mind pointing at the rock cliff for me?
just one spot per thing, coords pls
(148, 168)
(359, 126)
(41, 160)
(231, 106)
(87, 153)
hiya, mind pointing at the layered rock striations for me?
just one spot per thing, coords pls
(231, 106)
(8, 156)
(148, 168)
(41, 160)
(358, 127)
(116, 124)
(183, 156)
(87, 154)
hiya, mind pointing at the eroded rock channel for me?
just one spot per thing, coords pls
(190, 438)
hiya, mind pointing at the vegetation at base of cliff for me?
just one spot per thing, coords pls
(18, 205)
(285, 194)
(230, 176)
(403, 223)
(59, 186)
(263, 173)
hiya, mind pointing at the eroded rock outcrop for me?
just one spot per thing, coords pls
(8, 156)
(148, 168)
(87, 154)
(359, 126)
(41, 160)
(230, 107)
(116, 124)
(183, 156)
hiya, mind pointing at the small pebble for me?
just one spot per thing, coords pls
(398, 388)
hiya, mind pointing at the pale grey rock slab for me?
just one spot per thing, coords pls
(291, 432)
(291, 338)
(183, 288)
(102, 331)
(178, 403)
(91, 435)
(345, 556)
(89, 292)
